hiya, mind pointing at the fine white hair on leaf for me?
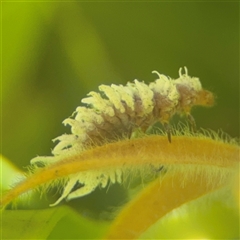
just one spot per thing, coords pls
(117, 112)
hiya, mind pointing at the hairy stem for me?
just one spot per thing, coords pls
(183, 151)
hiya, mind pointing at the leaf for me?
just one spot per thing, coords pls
(159, 198)
(29, 224)
(53, 223)
(195, 166)
(9, 174)
(183, 153)
(213, 216)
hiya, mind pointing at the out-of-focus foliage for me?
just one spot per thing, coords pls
(54, 53)
(54, 223)
(214, 216)
(9, 173)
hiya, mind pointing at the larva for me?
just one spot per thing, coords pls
(116, 112)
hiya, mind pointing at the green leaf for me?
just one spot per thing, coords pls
(214, 216)
(54, 223)
(9, 173)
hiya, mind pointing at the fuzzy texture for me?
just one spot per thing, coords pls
(115, 113)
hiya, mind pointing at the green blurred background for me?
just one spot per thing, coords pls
(54, 53)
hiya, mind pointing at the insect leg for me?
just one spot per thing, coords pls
(192, 122)
(168, 131)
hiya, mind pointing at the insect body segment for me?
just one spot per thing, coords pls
(116, 112)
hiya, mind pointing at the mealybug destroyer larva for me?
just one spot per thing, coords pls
(116, 112)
